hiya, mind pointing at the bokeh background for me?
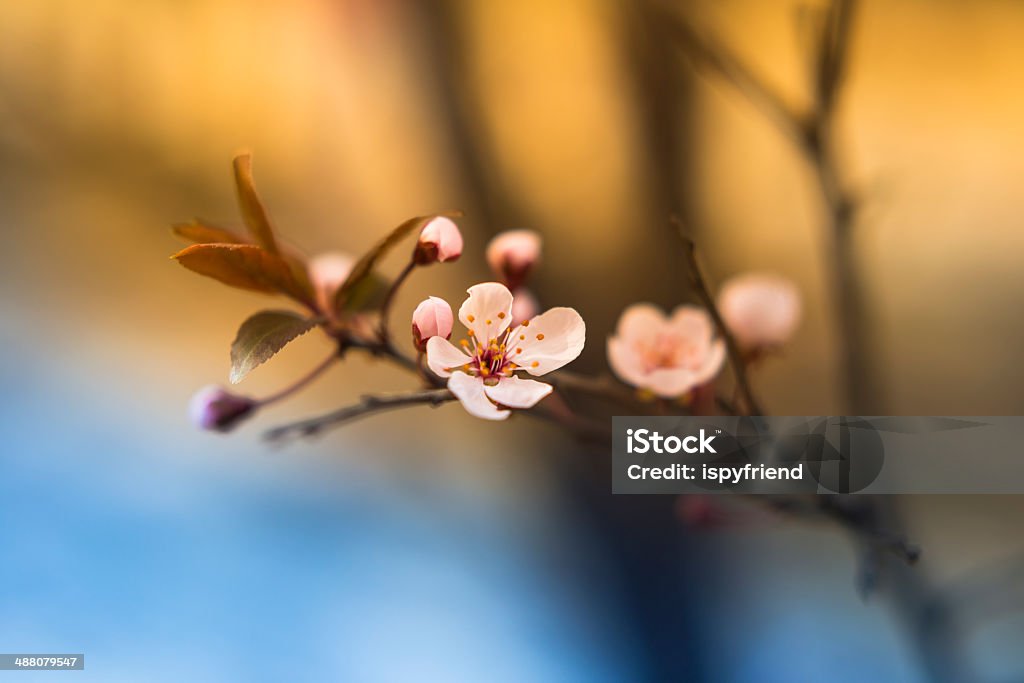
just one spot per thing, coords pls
(426, 545)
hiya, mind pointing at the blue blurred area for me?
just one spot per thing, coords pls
(170, 556)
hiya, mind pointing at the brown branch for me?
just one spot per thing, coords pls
(601, 386)
(813, 134)
(739, 367)
(389, 300)
(707, 52)
(369, 405)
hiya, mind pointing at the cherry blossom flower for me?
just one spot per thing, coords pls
(440, 240)
(760, 309)
(666, 356)
(481, 374)
(512, 254)
(432, 318)
(214, 408)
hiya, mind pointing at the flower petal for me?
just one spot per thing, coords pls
(694, 325)
(442, 356)
(517, 393)
(641, 322)
(488, 311)
(670, 382)
(552, 339)
(470, 392)
(625, 362)
(712, 362)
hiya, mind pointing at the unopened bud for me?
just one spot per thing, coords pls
(440, 240)
(512, 254)
(524, 306)
(432, 318)
(214, 408)
(326, 273)
(760, 309)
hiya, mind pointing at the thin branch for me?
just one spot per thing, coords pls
(739, 367)
(370, 404)
(709, 53)
(813, 135)
(302, 382)
(389, 300)
(601, 386)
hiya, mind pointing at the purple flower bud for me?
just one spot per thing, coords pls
(214, 408)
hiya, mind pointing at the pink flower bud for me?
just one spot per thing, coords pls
(760, 309)
(440, 240)
(216, 409)
(432, 318)
(512, 254)
(524, 306)
(326, 273)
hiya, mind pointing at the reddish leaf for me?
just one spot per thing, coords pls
(201, 232)
(245, 266)
(252, 208)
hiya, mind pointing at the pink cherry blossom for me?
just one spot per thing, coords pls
(512, 254)
(440, 240)
(760, 309)
(481, 373)
(432, 318)
(214, 408)
(666, 356)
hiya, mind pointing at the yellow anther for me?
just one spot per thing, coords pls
(519, 349)
(526, 323)
(540, 337)
(471, 318)
(501, 315)
(522, 336)
(471, 331)
(534, 364)
(465, 367)
(484, 370)
(488, 322)
(464, 342)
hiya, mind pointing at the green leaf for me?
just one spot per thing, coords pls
(368, 295)
(263, 335)
(364, 267)
(201, 232)
(252, 208)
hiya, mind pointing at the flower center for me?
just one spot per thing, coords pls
(494, 359)
(668, 351)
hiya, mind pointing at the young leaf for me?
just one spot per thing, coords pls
(263, 335)
(201, 232)
(252, 208)
(245, 266)
(368, 295)
(365, 265)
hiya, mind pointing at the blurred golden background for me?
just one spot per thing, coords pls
(579, 119)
